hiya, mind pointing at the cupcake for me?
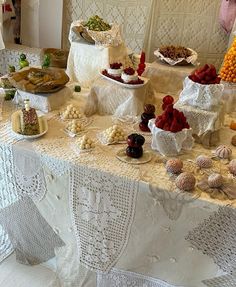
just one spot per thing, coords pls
(115, 69)
(129, 75)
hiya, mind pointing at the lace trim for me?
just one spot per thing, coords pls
(222, 281)
(215, 237)
(102, 213)
(119, 278)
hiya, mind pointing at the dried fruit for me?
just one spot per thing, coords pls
(175, 52)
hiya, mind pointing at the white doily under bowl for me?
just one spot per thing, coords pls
(15, 121)
(168, 143)
(146, 157)
(180, 61)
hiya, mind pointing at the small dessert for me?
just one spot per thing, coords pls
(85, 143)
(135, 143)
(149, 113)
(232, 166)
(29, 124)
(204, 161)
(114, 134)
(175, 52)
(174, 165)
(215, 180)
(171, 120)
(223, 152)
(75, 127)
(233, 125)
(205, 75)
(129, 75)
(115, 69)
(71, 112)
(185, 181)
(23, 62)
(233, 140)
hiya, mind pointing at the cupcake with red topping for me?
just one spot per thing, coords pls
(129, 75)
(115, 69)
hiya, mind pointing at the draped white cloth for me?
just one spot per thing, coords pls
(2, 46)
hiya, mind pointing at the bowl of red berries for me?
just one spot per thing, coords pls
(202, 89)
(171, 132)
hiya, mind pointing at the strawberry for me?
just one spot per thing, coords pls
(166, 127)
(175, 127)
(168, 100)
(160, 124)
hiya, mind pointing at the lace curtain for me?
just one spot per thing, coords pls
(233, 33)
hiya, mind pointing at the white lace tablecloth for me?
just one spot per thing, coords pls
(108, 98)
(125, 219)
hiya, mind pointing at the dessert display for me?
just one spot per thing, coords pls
(135, 143)
(141, 65)
(205, 75)
(23, 62)
(149, 113)
(113, 134)
(223, 152)
(174, 165)
(71, 112)
(35, 80)
(204, 161)
(75, 127)
(170, 131)
(171, 119)
(185, 181)
(228, 70)
(95, 23)
(215, 180)
(29, 124)
(85, 143)
(233, 140)
(115, 70)
(125, 76)
(232, 166)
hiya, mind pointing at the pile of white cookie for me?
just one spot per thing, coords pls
(114, 134)
(75, 127)
(71, 112)
(85, 142)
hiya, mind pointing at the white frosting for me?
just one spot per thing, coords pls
(128, 78)
(114, 72)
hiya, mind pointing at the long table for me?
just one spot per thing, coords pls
(109, 223)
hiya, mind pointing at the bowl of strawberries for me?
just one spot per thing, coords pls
(202, 89)
(171, 132)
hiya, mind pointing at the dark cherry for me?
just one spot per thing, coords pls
(149, 109)
(134, 152)
(143, 127)
(135, 140)
(146, 117)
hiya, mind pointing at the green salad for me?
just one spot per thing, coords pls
(96, 23)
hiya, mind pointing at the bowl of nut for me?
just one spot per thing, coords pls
(176, 55)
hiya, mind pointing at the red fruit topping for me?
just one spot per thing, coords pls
(168, 100)
(115, 66)
(142, 58)
(205, 75)
(129, 71)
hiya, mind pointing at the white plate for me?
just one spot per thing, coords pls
(128, 86)
(15, 121)
(146, 157)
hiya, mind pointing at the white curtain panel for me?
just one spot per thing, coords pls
(233, 34)
(2, 46)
